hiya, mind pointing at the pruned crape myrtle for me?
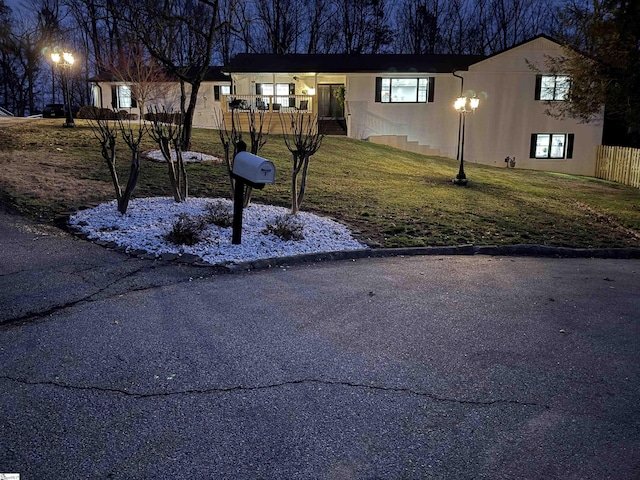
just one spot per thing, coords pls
(303, 139)
(106, 128)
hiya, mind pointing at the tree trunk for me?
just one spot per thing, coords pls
(187, 121)
(123, 203)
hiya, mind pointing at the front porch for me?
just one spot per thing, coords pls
(268, 103)
(274, 110)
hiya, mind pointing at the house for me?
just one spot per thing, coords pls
(407, 101)
(108, 91)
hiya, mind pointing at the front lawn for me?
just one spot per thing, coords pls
(387, 196)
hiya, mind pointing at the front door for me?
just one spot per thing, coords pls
(328, 105)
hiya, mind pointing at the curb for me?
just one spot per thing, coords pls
(491, 250)
(518, 250)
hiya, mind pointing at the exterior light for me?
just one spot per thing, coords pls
(68, 58)
(463, 105)
(64, 62)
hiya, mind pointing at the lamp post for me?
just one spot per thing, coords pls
(64, 62)
(463, 105)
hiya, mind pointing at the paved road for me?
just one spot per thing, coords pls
(402, 368)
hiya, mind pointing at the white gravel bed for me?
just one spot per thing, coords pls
(148, 220)
(187, 157)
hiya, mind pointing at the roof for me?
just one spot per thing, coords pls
(349, 63)
(213, 74)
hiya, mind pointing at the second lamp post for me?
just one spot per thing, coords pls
(463, 105)
(65, 61)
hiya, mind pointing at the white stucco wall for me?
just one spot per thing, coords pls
(508, 114)
(434, 124)
(170, 100)
(502, 125)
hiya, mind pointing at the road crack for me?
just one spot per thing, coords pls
(253, 388)
(87, 298)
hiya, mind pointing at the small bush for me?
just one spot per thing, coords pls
(186, 231)
(286, 227)
(125, 115)
(164, 117)
(87, 111)
(219, 214)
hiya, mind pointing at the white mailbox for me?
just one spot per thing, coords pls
(253, 168)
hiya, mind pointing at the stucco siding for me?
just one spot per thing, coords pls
(509, 114)
(169, 99)
(433, 123)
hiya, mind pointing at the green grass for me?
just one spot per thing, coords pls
(389, 197)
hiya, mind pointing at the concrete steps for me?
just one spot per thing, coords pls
(403, 143)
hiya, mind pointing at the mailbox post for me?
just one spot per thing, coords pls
(251, 170)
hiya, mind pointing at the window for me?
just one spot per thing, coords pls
(284, 92)
(552, 87)
(551, 146)
(121, 97)
(96, 96)
(405, 90)
(221, 90)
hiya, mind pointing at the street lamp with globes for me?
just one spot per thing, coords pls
(64, 62)
(463, 105)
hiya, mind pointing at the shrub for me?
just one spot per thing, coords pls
(286, 227)
(219, 214)
(124, 115)
(87, 111)
(186, 231)
(164, 117)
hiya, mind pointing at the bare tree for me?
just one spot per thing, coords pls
(25, 37)
(232, 142)
(278, 22)
(147, 79)
(106, 131)
(230, 137)
(167, 133)
(181, 36)
(320, 30)
(418, 25)
(303, 139)
(364, 26)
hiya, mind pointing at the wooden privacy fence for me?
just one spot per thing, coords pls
(618, 164)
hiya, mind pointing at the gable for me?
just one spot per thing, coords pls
(515, 59)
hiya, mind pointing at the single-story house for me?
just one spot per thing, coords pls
(407, 101)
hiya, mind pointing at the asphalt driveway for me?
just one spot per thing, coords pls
(442, 367)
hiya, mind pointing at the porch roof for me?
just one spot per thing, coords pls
(349, 63)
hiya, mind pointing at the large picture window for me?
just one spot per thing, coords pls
(552, 146)
(552, 87)
(405, 90)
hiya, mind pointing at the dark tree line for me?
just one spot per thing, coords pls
(184, 36)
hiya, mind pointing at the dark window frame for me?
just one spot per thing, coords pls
(431, 85)
(556, 93)
(115, 97)
(567, 146)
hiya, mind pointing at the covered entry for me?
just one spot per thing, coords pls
(330, 111)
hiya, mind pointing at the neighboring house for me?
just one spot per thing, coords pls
(110, 92)
(407, 101)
